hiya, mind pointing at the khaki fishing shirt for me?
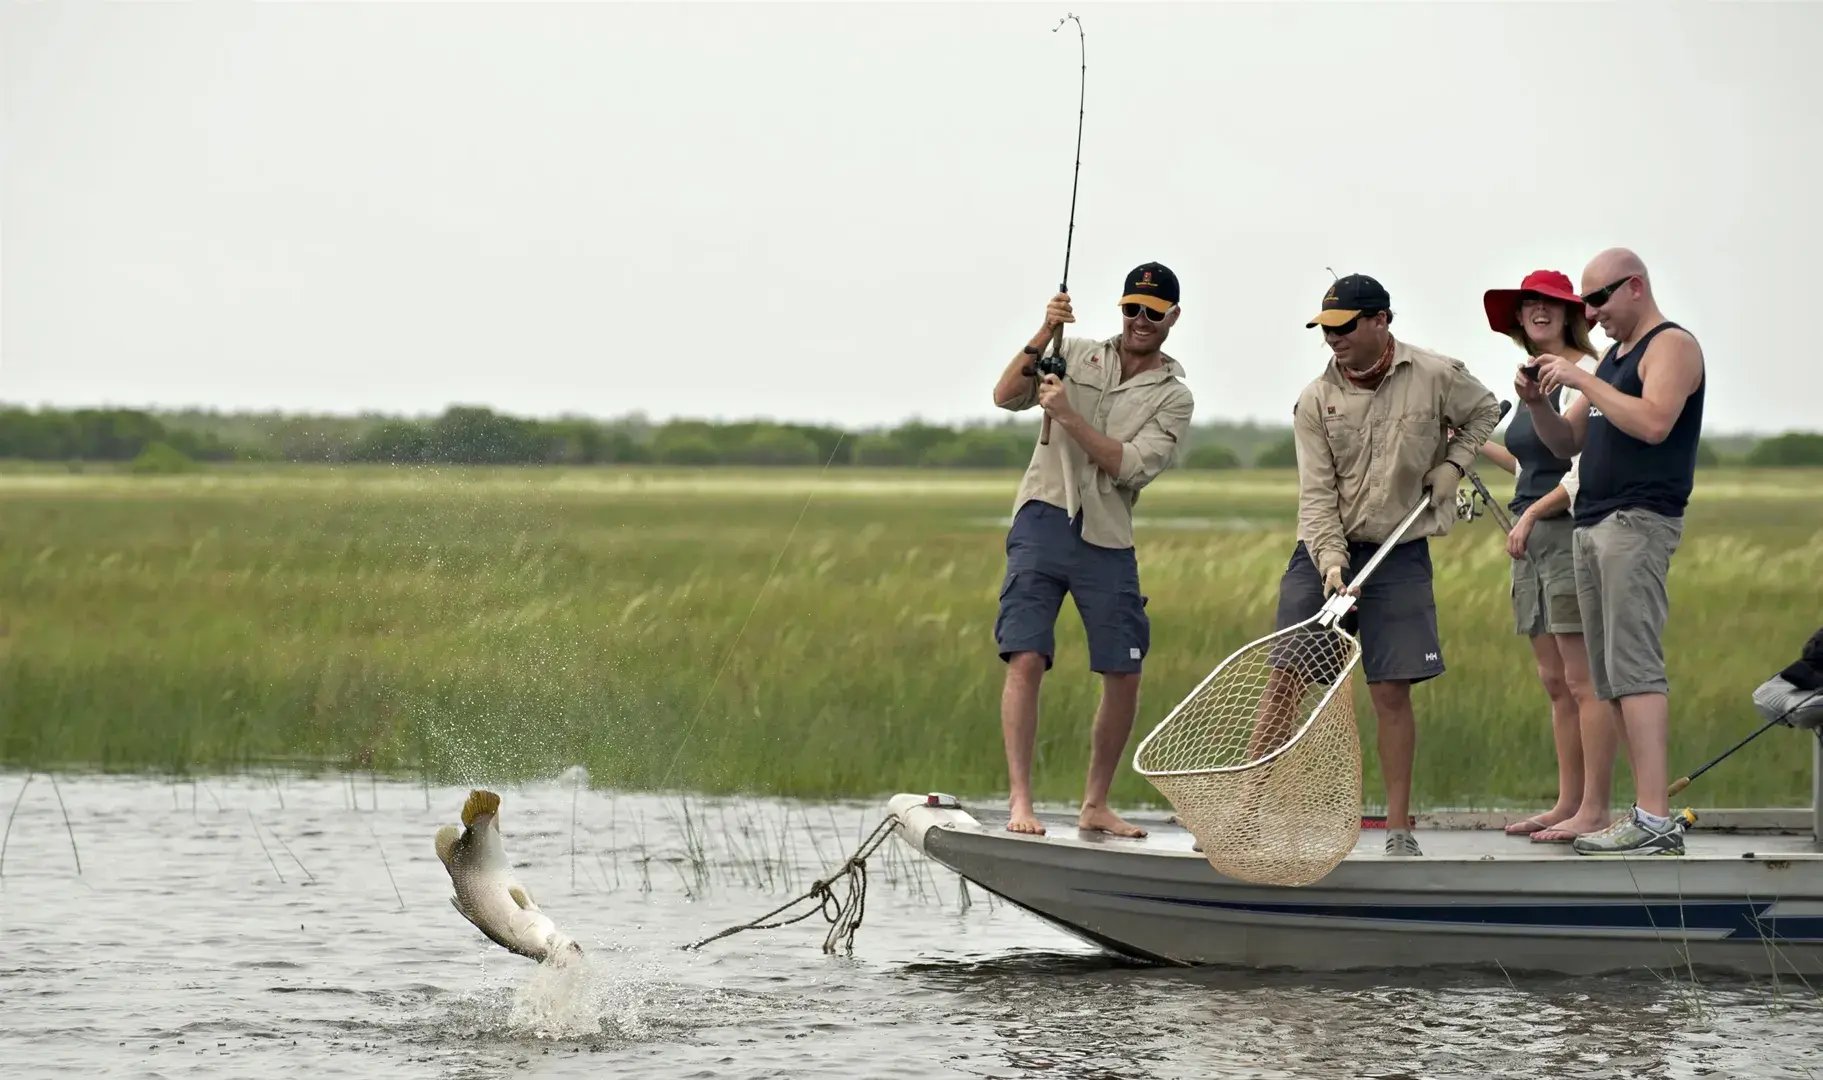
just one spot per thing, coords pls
(1363, 454)
(1147, 414)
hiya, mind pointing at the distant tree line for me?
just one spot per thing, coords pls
(99, 435)
(472, 435)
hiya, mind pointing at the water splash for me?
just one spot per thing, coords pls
(565, 1000)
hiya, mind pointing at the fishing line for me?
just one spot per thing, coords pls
(729, 654)
(1044, 436)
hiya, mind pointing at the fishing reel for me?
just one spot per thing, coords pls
(1477, 501)
(1047, 365)
(1041, 366)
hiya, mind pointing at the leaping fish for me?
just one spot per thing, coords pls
(487, 894)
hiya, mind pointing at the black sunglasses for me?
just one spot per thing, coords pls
(1133, 311)
(1603, 295)
(1346, 328)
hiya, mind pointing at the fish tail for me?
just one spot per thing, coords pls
(479, 803)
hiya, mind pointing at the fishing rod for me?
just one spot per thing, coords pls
(1487, 499)
(1054, 363)
(1683, 782)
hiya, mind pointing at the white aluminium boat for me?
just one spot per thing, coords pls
(1747, 896)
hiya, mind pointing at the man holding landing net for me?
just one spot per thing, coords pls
(1120, 408)
(1385, 424)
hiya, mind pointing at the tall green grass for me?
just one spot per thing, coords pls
(508, 622)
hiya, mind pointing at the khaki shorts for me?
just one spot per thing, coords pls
(1544, 582)
(1622, 563)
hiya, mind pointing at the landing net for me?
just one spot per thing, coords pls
(1262, 762)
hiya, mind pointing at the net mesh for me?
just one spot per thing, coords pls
(1271, 797)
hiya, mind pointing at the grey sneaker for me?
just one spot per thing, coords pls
(1401, 844)
(1611, 828)
(1631, 836)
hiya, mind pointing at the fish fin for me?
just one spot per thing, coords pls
(456, 902)
(480, 804)
(446, 843)
(522, 896)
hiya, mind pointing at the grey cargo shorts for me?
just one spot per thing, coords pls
(1622, 564)
(1544, 582)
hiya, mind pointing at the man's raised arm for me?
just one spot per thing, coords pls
(1669, 373)
(1015, 390)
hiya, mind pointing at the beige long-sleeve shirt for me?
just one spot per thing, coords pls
(1148, 415)
(1363, 454)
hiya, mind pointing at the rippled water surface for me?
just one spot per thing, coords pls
(243, 926)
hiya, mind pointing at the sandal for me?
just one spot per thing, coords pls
(1527, 826)
(1554, 835)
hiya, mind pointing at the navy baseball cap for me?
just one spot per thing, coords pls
(1152, 285)
(1350, 296)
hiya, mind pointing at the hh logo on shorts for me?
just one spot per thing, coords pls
(1429, 656)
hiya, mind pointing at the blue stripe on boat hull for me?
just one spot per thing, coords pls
(1740, 919)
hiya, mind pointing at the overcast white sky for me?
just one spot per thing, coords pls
(854, 212)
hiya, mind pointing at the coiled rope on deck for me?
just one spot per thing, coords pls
(842, 913)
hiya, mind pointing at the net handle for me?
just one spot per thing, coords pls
(1341, 603)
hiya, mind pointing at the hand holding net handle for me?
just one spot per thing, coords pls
(1339, 604)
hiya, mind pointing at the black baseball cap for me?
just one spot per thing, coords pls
(1350, 296)
(1152, 285)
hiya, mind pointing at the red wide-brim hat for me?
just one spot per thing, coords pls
(1502, 305)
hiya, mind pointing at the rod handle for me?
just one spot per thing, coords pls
(1044, 433)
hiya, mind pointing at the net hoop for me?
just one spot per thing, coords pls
(1310, 718)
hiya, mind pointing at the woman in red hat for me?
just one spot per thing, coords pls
(1544, 315)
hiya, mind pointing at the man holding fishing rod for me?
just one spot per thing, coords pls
(1120, 410)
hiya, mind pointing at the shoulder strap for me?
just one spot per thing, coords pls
(1654, 332)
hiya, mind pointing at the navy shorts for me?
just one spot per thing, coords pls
(1046, 557)
(1395, 617)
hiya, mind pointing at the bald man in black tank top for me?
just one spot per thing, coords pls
(1636, 427)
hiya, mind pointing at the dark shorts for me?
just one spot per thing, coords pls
(1046, 557)
(1395, 617)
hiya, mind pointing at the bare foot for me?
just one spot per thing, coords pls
(1102, 819)
(1024, 821)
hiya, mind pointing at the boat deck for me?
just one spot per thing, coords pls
(1464, 836)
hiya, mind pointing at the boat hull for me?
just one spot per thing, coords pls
(1746, 903)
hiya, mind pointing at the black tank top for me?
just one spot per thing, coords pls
(1621, 472)
(1539, 469)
